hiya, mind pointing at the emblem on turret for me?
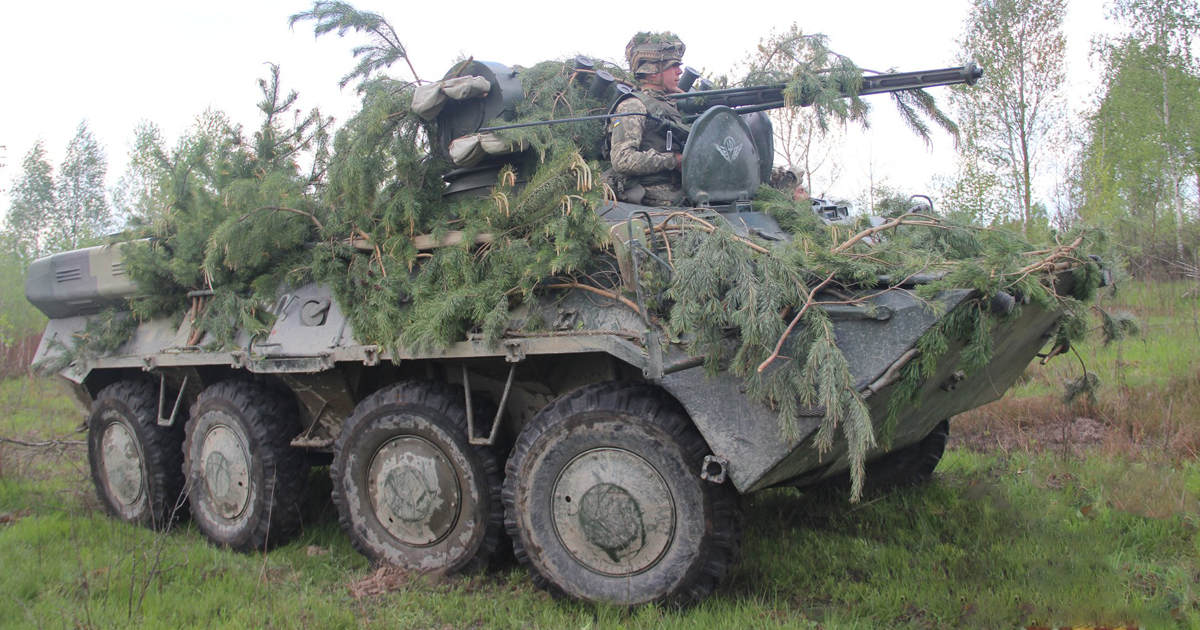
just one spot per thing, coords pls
(729, 149)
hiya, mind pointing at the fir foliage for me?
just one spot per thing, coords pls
(384, 49)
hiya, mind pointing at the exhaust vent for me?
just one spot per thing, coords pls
(67, 274)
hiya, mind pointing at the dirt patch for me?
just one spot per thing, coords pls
(386, 579)
(1155, 422)
(1018, 426)
(9, 518)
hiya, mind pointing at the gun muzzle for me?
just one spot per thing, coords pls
(622, 90)
(688, 77)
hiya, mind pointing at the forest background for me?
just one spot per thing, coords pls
(1032, 156)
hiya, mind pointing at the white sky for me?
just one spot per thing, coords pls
(119, 62)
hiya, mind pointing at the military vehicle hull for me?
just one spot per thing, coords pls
(312, 351)
(595, 403)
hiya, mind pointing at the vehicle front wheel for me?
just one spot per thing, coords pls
(135, 463)
(246, 482)
(604, 500)
(411, 490)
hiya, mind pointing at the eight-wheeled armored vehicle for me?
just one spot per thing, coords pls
(603, 450)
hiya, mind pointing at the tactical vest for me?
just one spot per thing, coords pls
(654, 137)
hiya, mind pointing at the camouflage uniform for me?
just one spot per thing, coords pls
(639, 154)
(645, 169)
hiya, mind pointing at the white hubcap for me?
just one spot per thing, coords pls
(225, 467)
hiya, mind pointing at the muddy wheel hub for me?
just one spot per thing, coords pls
(414, 489)
(225, 466)
(613, 511)
(122, 464)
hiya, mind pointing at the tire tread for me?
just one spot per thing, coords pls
(657, 408)
(448, 401)
(272, 421)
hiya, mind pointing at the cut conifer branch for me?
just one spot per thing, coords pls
(426, 242)
(598, 291)
(908, 219)
(808, 302)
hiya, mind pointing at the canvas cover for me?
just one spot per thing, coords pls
(469, 150)
(429, 99)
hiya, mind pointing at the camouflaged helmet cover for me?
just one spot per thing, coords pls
(651, 53)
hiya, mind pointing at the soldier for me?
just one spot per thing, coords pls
(646, 160)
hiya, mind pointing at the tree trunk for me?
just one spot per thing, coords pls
(1176, 202)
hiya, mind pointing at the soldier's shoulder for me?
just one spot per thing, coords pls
(630, 104)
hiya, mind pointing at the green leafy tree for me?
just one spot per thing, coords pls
(975, 191)
(1141, 144)
(141, 191)
(819, 78)
(1012, 117)
(32, 206)
(799, 139)
(81, 214)
(1166, 30)
(384, 47)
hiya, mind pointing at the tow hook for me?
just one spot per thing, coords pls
(713, 469)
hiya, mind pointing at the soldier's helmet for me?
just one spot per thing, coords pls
(651, 53)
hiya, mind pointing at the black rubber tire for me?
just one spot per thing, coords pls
(641, 420)
(432, 412)
(265, 421)
(912, 465)
(134, 405)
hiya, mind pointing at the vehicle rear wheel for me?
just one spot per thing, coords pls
(909, 466)
(604, 500)
(411, 490)
(135, 463)
(913, 464)
(246, 481)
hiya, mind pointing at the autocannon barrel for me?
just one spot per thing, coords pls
(762, 97)
(898, 81)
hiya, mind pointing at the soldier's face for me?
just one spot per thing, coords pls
(667, 80)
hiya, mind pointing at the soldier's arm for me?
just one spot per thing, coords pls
(627, 138)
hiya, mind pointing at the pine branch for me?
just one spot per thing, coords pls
(598, 291)
(311, 217)
(795, 320)
(908, 219)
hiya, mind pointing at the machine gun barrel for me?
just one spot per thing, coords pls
(762, 97)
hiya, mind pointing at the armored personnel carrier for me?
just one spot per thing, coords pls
(598, 445)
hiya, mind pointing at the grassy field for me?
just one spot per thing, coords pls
(1040, 514)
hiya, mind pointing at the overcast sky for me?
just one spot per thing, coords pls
(119, 62)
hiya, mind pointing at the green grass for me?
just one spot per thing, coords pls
(1166, 351)
(994, 542)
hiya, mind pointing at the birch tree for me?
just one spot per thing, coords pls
(1166, 30)
(32, 205)
(82, 212)
(1013, 116)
